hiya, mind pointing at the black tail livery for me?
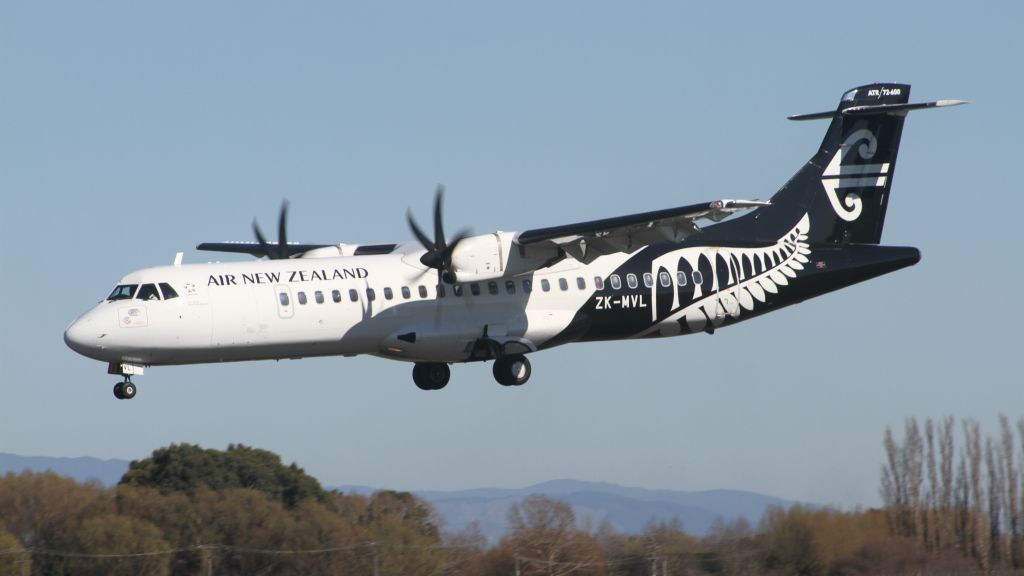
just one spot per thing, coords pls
(844, 188)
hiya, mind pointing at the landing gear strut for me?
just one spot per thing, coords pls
(512, 370)
(125, 390)
(431, 375)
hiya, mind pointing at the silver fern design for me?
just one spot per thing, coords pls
(741, 279)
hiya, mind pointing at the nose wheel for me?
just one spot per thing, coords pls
(125, 390)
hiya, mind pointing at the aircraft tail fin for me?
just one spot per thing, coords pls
(844, 188)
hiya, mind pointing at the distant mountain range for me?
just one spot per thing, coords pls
(108, 472)
(627, 509)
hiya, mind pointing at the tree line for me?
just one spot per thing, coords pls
(965, 497)
(189, 510)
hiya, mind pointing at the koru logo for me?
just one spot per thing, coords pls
(840, 174)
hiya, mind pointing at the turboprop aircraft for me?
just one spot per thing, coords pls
(502, 296)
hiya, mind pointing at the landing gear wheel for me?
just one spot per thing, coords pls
(431, 375)
(125, 390)
(128, 390)
(513, 370)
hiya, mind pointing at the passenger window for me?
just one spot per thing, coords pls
(406, 293)
(336, 296)
(423, 291)
(681, 278)
(527, 286)
(123, 292)
(631, 280)
(510, 287)
(302, 298)
(475, 289)
(353, 295)
(563, 284)
(492, 287)
(457, 289)
(698, 278)
(168, 291)
(598, 283)
(388, 294)
(581, 283)
(665, 278)
(148, 292)
(545, 285)
(648, 279)
(615, 281)
(283, 297)
(370, 295)
(319, 296)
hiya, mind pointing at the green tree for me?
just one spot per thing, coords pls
(186, 467)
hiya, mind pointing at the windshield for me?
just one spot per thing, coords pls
(123, 292)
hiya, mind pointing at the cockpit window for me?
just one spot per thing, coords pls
(123, 292)
(168, 291)
(148, 292)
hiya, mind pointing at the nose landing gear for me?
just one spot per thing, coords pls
(125, 390)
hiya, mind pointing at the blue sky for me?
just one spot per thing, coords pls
(130, 131)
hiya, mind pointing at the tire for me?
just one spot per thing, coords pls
(513, 370)
(118, 391)
(128, 390)
(431, 375)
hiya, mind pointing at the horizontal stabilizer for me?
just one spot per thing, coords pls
(870, 109)
(891, 108)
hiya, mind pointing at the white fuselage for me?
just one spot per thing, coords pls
(349, 305)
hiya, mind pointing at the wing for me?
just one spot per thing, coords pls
(256, 249)
(585, 241)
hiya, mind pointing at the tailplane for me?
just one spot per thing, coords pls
(844, 189)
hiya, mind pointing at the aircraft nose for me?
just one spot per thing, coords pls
(84, 335)
(76, 335)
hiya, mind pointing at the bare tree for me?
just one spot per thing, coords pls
(932, 537)
(946, 474)
(995, 502)
(979, 544)
(912, 450)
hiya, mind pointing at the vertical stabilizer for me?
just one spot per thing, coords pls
(844, 189)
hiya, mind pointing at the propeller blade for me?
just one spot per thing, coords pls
(263, 241)
(439, 239)
(282, 238)
(439, 251)
(424, 240)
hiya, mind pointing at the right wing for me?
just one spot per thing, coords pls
(585, 241)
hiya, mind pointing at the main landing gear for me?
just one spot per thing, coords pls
(125, 390)
(512, 370)
(431, 375)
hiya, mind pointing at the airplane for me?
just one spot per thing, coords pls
(502, 296)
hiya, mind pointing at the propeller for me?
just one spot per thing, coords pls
(280, 250)
(439, 250)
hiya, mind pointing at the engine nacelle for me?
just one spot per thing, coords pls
(492, 256)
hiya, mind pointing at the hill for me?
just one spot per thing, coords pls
(108, 472)
(628, 509)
